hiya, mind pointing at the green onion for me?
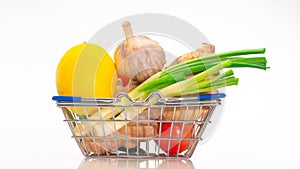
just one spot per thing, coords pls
(175, 89)
(176, 73)
(219, 84)
(254, 62)
(168, 79)
(214, 79)
(216, 57)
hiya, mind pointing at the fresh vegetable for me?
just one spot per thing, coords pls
(119, 87)
(168, 134)
(132, 85)
(183, 113)
(206, 49)
(86, 70)
(138, 57)
(125, 80)
(139, 129)
(132, 129)
(101, 146)
(171, 82)
(176, 73)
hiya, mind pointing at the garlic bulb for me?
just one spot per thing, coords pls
(138, 57)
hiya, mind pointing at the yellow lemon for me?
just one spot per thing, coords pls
(86, 70)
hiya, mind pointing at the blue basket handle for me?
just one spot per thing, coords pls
(79, 99)
(67, 98)
(211, 96)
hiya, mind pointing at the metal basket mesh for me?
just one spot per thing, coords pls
(141, 132)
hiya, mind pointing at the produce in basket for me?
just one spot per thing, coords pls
(132, 129)
(146, 130)
(171, 82)
(184, 113)
(183, 131)
(206, 49)
(102, 146)
(86, 70)
(168, 131)
(118, 139)
(138, 57)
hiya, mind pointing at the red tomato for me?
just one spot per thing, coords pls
(176, 133)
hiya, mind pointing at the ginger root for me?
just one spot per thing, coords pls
(206, 49)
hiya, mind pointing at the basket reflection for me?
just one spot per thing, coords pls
(112, 163)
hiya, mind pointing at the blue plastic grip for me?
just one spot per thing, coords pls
(67, 98)
(211, 96)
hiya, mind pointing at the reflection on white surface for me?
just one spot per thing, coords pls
(93, 163)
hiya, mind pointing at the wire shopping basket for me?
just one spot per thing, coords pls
(156, 127)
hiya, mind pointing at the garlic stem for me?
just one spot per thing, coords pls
(127, 29)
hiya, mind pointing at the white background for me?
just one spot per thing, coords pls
(260, 126)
